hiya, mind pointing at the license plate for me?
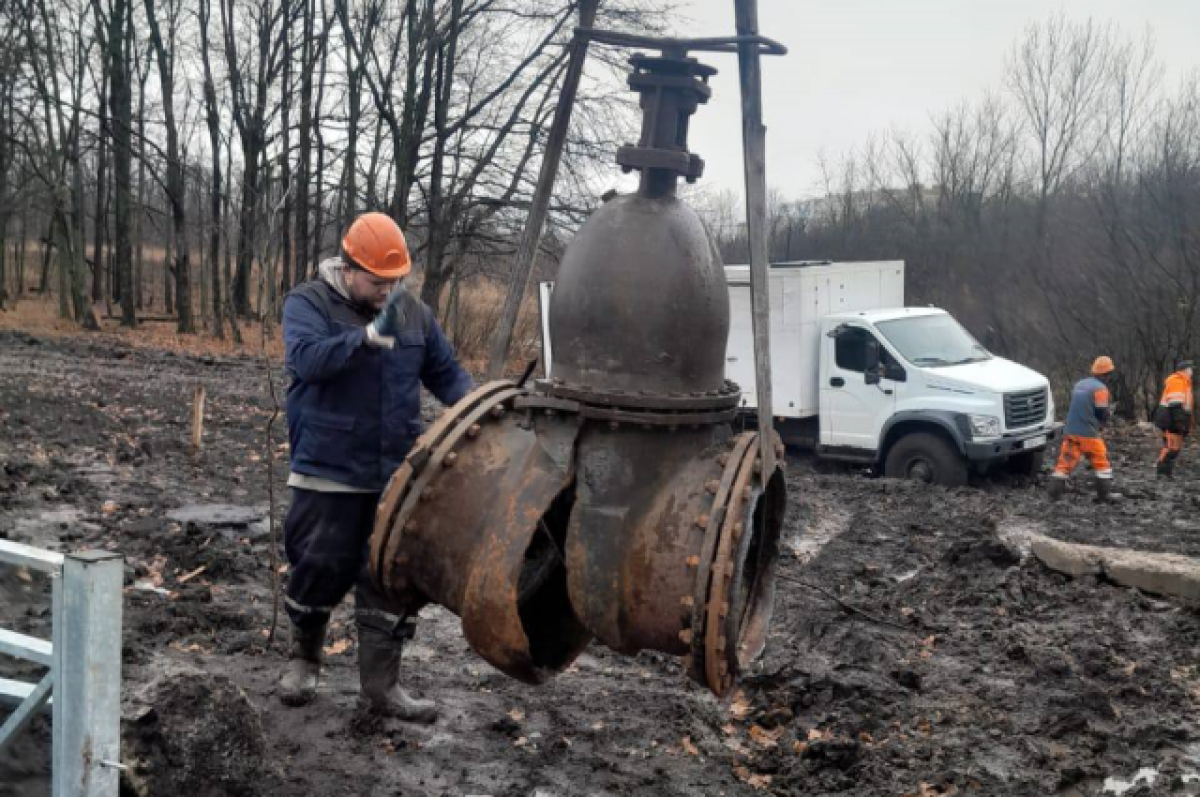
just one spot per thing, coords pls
(1035, 442)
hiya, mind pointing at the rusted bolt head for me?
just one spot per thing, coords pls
(712, 485)
(702, 521)
(473, 430)
(685, 636)
(450, 459)
(693, 561)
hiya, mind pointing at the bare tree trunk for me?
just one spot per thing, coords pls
(168, 276)
(119, 39)
(212, 116)
(304, 164)
(6, 135)
(318, 206)
(176, 184)
(101, 217)
(44, 282)
(435, 276)
(139, 247)
(23, 244)
(290, 271)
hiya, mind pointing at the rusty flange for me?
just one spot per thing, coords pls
(733, 598)
(474, 521)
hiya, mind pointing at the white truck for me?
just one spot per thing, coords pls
(859, 377)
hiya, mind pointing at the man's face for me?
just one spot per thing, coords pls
(366, 288)
(1188, 372)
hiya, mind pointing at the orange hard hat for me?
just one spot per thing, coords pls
(1103, 365)
(376, 243)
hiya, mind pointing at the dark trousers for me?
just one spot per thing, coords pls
(327, 538)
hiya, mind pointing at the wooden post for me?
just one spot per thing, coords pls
(754, 147)
(198, 419)
(532, 235)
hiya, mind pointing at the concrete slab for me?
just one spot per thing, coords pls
(1157, 573)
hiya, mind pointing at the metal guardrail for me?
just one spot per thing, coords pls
(84, 678)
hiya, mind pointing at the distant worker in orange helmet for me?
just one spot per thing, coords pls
(359, 348)
(1086, 417)
(1174, 416)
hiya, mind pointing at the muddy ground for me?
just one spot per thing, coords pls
(913, 653)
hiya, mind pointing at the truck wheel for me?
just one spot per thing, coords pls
(927, 458)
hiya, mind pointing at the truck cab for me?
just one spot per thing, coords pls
(909, 390)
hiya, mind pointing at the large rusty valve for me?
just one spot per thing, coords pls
(613, 500)
(474, 521)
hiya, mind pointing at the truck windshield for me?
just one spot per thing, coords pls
(933, 341)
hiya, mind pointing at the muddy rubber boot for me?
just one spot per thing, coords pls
(1056, 488)
(298, 686)
(1103, 491)
(1166, 469)
(379, 673)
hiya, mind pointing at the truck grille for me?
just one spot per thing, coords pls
(1027, 408)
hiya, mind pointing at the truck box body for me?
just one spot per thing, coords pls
(801, 295)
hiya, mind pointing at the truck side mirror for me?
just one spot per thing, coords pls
(871, 363)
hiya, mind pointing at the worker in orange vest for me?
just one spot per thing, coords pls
(1174, 416)
(1086, 417)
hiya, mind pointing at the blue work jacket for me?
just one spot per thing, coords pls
(353, 410)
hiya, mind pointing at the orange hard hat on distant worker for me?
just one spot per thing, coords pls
(1103, 365)
(376, 243)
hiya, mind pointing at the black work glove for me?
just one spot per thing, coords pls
(381, 333)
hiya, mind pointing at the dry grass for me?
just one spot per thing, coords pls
(471, 330)
(474, 325)
(39, 316)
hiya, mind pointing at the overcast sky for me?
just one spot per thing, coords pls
(858, 66)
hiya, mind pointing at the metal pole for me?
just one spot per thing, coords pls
(754, 148)
(532, 235)
(87, 675)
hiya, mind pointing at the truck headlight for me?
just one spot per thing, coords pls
(984, 425)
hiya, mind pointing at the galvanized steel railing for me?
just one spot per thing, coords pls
(84, 660)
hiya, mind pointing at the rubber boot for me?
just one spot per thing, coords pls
(379, 673)
(298, 686)
(1103, 491)
(1166, 468)
(1056, 488)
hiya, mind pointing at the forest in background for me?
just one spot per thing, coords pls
(1057, 217)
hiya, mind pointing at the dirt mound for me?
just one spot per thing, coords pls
(194, 733)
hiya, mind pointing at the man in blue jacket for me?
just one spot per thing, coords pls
(359, 347)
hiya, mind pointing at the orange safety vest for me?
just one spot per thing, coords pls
(1178, 391)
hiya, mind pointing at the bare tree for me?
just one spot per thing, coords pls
(176, 184)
